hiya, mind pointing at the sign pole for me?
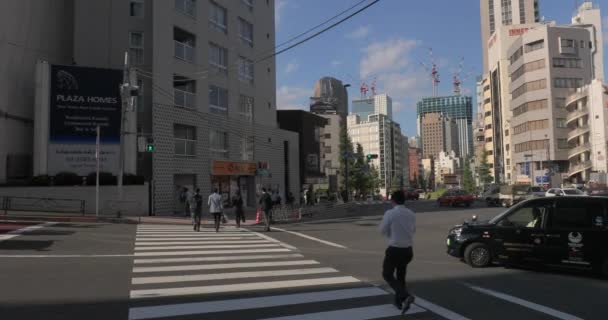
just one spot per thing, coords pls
(97, 157)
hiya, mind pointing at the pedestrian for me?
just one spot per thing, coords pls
(239, 214)
(266, 206)
(290, 199)
(398, 227)
(198, 214)
(183, 199)
(275, 198)
(191, 204)
(215, 208)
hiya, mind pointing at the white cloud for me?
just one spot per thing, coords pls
(360, 33)
(279, 9)
(336, 63)
(293, 97)
(291, 67)
(386, 56)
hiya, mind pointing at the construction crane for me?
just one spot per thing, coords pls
(459, 77)
(433, 72)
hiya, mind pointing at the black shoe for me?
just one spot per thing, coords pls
(398, 303)
(194, 227)
(407, 303)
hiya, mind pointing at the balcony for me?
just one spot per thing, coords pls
(184, 51)
(579, 94)
(579, 167)
(574, 115)
(184, 99)
(577, 132)
(574, 152)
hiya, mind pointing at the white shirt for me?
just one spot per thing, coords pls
(398, 226)
(215, 203)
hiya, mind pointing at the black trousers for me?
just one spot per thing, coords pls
(394, 269)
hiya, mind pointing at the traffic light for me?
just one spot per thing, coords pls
(150, 147)
(372, 156)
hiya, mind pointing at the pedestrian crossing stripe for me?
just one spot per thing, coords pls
(216, 259)
(209, 252)
(156, 243)
(225, 266)
(219, 246)
(363, 313)
(144, 239)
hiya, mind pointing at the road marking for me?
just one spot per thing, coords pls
(192, 253)
(231, 275)
(176, 243)
(202, 246)
(224, 258)
(196, 308)
(312, 238)
(530, 305)
(200, 234)
(67, 256)
(364, 313)
(273, 240)
(448, 314)
(225, 266)
(192, 238)
(266, 285)
(18, 232)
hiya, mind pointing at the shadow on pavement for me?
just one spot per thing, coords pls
(38, 245)
(72, 225)
(48, 232)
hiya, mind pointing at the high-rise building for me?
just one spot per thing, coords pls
(498, 13)
(437, 134)
(378, 104)
(213, 131)
(329, 97)
(460, 110)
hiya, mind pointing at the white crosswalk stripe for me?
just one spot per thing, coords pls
(178, 272)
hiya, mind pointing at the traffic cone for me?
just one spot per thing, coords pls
(258, 216)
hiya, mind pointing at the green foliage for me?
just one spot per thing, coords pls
(346, 155)
(483, 170)
(468, 181)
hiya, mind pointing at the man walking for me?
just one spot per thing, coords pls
(398, 226)
(215, 208)
(198, 213)
(266, 206)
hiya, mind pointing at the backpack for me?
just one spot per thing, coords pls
(267, 201)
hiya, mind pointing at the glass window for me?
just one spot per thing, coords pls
(136, 8)
(527, 216)
(218, 57)
(507, 14)
(578, 213)
(247, 144)
(245, 69)
(136, 48)
(246, 108)
(185, 140)
(562, 144)
(567, 43)
(560, 123)
(218, 17)
(218, 100)
(533, 46)
(246, 32)
(568, 83)
(187, 7)
(218, 141)
(248, 3)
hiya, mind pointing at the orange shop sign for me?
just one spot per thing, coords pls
(230, 168)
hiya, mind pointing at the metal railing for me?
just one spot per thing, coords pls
(184, 51)
(184, 99)
(576, 114)
(574, 169)
(42, 205)
(577, 150)
(577, 132)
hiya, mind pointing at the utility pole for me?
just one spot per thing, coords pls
(128, 89)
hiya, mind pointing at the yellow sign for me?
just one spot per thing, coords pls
(230, 168)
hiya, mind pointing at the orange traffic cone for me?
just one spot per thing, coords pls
(258, 216)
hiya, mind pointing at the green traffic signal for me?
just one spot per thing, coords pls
(150, 148)
(372, 156)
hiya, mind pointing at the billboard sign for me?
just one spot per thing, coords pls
(81, 99)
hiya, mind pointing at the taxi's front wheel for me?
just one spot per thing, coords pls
(602, 269)
(478, 255)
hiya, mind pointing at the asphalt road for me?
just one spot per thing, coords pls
(321, 269)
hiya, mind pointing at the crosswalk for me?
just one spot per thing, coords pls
(240, 274)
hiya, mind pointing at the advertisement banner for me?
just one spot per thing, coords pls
(81, 99)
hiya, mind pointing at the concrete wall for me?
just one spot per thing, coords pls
(135, 203)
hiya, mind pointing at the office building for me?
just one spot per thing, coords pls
(329, 97)
(438, 133)
(457, 108)
(415, 162)
(447, 164)
(377, 104)
(209, 109)
(498, 13)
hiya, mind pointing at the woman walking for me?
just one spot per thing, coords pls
(215, 208)
(237, 202)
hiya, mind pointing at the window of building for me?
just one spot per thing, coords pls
(530, 106)
(489, 139)
(492, 18)
(187, 7)
(560, 103)
(567, 63)
(562, 144)
(248, 3)
(218, 142)
(532, 145)
(246, 32)
(218, 57)
(218, 17)
(516, 55)
(528, 67)
(506, 135)
(218, 100)
(533, 46)
(185, 140)
(529, 86)
(327, 136)
(136, 8)
(136, 48)
(247, 144)
(246, 108)
(327, 149)
(507, 12)
(560, 123)
(531, 126)
(570, 83)
(327, 164)
(184, 45)
(567, 43)
(245, 69)
(522, 12)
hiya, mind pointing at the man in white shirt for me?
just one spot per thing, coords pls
(215, 208)
(398, 227)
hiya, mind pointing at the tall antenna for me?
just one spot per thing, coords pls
(374, 87)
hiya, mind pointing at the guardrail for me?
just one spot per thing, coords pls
(42, 205)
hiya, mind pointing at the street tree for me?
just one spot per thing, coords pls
(483, 170)
(468, 181)
(347, 156)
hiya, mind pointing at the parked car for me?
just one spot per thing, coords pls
(564, 192)
(598, 192)
(537, 191)
(456, 197)
(513, 194)
(411, 194)
(491, 195)
(563, 232)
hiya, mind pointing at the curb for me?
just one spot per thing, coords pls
(67, 219)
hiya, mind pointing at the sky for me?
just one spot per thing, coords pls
(388, 42)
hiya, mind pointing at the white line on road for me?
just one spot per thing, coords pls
(18, 232)
(448, 314)
(223, 258)
(364, 313)
(197, 308)
(225, 266)
(193, 253)
(176, 243)
(231, 275)
(530, 305)
(200, 234)
(66, 256)
(266, 285)
(273, 240)
(202, 246)
(193, 238)
(312, 238)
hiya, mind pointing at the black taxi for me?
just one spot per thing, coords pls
(564, 232)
